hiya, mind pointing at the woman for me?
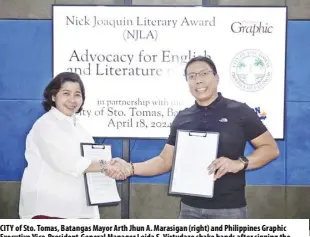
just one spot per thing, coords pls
(53, 183)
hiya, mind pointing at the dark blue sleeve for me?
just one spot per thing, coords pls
(252, 125)
(173, 132)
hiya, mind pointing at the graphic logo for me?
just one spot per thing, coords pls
(260, 113)
(251, 27)
(251, 70)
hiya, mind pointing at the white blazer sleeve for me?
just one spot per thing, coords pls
(56, 150)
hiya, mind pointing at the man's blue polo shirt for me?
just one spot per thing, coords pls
(237, 123)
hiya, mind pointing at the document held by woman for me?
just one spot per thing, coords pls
(101, 189)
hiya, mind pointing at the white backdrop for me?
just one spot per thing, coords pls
(132, 59)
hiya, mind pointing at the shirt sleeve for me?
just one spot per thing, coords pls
(252, 125)
(57, 151)
(173, 132)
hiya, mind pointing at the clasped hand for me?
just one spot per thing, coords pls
(118, 169)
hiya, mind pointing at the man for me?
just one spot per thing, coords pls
(237, 123)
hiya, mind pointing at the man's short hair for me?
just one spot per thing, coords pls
(201, 59)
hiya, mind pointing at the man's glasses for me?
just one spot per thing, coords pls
(204, 73)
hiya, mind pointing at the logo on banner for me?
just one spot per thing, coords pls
(251, 70)
(260, 113)
(251, 27)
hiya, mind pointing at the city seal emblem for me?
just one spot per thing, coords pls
(251, 70)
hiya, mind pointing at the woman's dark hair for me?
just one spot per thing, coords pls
(54, 86)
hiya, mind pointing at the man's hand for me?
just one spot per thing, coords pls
(115, 171)
(119, 169)
(224, 165)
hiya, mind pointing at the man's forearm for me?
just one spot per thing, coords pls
(154, 166)
(262, 156)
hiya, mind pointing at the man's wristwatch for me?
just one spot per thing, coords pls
(244, 161)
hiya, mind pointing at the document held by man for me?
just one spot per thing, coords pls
(101, 189)
(194, 152)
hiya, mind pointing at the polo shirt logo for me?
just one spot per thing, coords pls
(223, 120)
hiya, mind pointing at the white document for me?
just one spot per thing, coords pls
(194, 153)
(101, 188)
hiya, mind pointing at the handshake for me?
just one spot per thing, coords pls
(119, 169)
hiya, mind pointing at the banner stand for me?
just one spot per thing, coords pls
(125, 187)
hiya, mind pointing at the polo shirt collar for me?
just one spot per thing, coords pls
(214, 104)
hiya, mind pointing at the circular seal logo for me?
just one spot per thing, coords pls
(251, 70)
